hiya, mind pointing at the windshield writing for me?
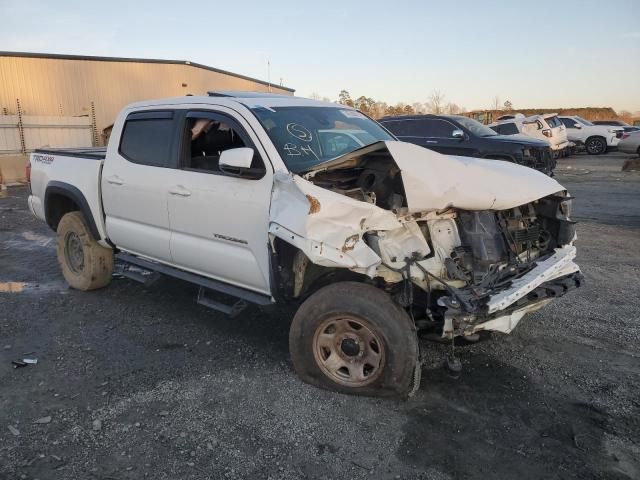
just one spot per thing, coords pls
(307, 136)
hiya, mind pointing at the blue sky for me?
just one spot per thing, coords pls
(538, 53)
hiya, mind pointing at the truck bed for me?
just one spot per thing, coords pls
(92, 153)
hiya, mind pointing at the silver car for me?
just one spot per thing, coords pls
(630, 143)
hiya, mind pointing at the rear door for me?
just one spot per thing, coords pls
(219, 223)
(136, 176)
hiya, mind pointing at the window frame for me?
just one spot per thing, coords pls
(185, 142)
(142, 115)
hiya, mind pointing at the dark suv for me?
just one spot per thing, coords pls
(458, 135)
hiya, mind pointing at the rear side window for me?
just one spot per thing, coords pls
(553, 122)
(506, 129)
(147, 138)
(422, 127)
(568, 122)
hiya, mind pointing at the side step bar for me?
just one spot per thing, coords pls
(242, 295)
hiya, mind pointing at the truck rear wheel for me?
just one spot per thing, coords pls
(351, 337)
(85, 264)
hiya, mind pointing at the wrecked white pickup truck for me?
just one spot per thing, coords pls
(265, 198)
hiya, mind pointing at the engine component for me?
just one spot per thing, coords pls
(480, 232)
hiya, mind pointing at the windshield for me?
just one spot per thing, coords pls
(307, 136)
(475, 127)
(583, 121)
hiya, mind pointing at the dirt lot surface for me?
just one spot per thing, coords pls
(134, 382)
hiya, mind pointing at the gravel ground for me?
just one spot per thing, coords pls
(135, 382)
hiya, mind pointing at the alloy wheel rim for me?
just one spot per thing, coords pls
(348, 350)
(594, 146)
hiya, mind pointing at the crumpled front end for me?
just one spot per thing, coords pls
(464, 245)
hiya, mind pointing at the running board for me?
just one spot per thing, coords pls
(145, 279)
(243, 295)
(231, 310)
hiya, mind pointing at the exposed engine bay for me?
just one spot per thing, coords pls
(463, 244)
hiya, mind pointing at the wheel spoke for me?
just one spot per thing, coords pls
(356, 371)
(371, 358)
(334, 362)
(326, 340)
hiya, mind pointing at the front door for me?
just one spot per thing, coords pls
(219, 223)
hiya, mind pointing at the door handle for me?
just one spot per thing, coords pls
(115, 180)
(180, 191)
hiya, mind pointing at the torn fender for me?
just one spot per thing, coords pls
(329, 227)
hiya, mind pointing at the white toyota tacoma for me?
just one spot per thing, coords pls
(379, 242)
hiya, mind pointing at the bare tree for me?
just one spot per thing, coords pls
(496, 103)
(435, 104)
(453, 109)
(419, 107)
(315, 96)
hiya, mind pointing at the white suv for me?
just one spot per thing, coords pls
(596, 139)
(543, 127)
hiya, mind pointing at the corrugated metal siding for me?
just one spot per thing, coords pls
(48, 86)
(9, 135)
(41, 131)
(49, 131)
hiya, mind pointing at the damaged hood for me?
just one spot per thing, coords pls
(433, 181)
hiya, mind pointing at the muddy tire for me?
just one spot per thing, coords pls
(352, 338)
(595, 145)
(85, 264)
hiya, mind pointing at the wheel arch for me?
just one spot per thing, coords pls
(295, 277)
(601, 137)
(61, 198)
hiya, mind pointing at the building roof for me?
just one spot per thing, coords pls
(57, 56)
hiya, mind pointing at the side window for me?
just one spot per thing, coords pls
(147, 138)
(439, 128)
(506, 129)
(421, 127)
(207, 135)
(398, 127)
(568, 122)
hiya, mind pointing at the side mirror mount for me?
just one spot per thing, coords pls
(237, 163)
(457, 133)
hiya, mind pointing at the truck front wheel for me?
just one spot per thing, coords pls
(351, 337)
(85, 264)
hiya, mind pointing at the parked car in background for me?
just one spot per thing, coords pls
(458, 135)
(545, 127)
(596, 139)
(617, 123)
(630, 142)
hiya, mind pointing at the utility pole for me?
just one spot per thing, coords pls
(269, 74)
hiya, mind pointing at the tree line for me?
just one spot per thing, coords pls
(436, 104)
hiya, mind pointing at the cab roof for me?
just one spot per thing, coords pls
(247, 99)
